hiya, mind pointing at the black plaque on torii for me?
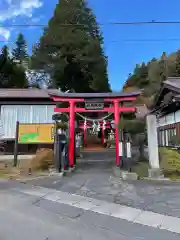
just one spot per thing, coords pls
(94, 104)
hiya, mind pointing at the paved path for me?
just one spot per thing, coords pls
(94, 179)
(39, 213)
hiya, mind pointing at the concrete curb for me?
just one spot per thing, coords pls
(124, 175)
(118, 211)
(30, 179)
(39, 177)
(58, 174)
(159, 179)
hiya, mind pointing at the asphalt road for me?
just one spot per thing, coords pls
(24, 215)
(89, 204)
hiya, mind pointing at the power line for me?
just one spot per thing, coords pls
(148, 40)
(5, 41)
(107, 23)
(126, 40)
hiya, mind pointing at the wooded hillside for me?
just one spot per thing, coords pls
(149, 76)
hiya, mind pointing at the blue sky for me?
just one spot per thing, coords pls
(125, 45)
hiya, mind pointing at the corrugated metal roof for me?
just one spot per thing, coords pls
(93, 95)
(172, 84)
(45, 93)
(175, 82)
(23, 93)
(176, 98)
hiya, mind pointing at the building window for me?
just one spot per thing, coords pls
(163, 138)
(171, 134)
(166, 138)
(160, 138)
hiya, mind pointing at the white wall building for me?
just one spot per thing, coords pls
(167, 110)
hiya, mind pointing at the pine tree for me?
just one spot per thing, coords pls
(70, 49)
(163, 67)
(5, 52)
(19, 53)
(177, 65)
(4, 56)
(11, 74)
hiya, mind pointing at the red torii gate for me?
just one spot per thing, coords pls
(116, 106)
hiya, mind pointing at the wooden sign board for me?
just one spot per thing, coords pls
(36, 133)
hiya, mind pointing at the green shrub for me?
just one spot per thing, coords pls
(141, 168)
(169, 160)
(175, 140)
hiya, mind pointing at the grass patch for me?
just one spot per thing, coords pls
(20, 173)
(7, 171)
(169, 160)
(169, 164)
(141, 168)
(2, 175)
(174, 177)
(37, 166)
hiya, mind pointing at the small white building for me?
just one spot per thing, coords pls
(23, 105)
(167, 110)
(163, 122)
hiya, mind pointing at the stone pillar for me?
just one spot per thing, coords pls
(153, 146)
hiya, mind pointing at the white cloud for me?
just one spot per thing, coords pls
(25, 4)
(4, 34)
(15, 8)
(19, 7)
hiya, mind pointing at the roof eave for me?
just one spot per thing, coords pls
(93, 95)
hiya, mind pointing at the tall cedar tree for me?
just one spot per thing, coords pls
(71, 51)
(163, 67)
(177, 64)
(12, 75)
(19, 53)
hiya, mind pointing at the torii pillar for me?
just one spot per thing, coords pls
(71, 133)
